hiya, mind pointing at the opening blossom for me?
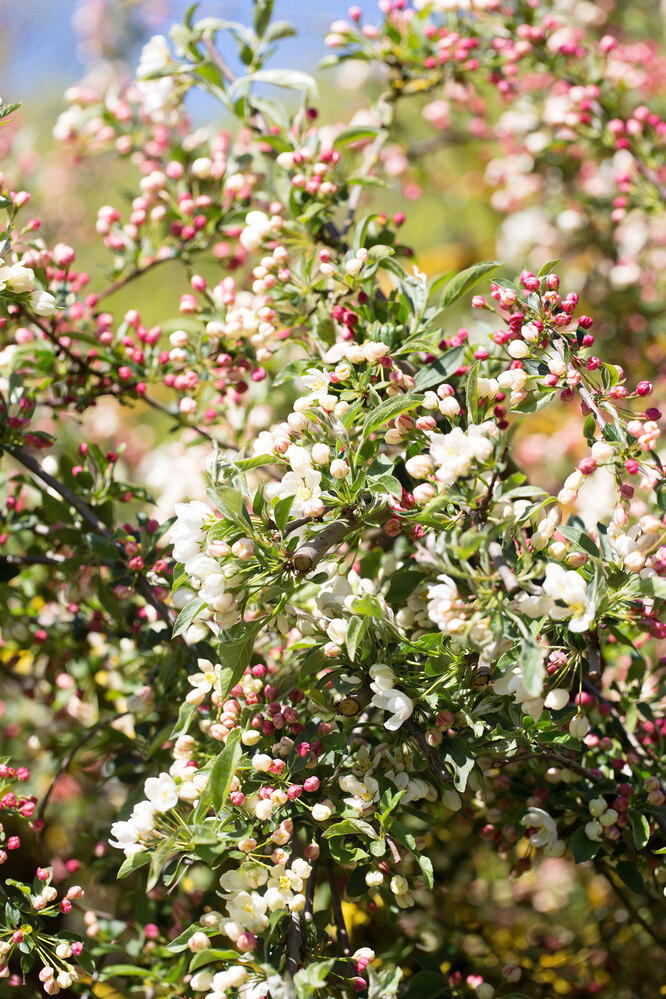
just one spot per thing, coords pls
(387, 698)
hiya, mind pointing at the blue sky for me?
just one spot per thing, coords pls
(39, 45)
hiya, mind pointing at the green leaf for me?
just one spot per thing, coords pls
(581, 539)
(532, 667)
(425, 983)
(229, 502)
(459, 758)
(631, 876)
(654, 587)
(388, 410)
(281, 511)
(279, 29)
(235, 653)
(185, 715)
(425, 864)
(157, 862)
(244, 464)
(439, 370)
(309, 979)
(640, 828)
(131, 864)
(224, 769)
(355, 133)
(357, 628)
(583, 847)
(351, 827)
(462, 282)
(187, 615)
(471, 393)
(292, 79)
(403, 583)
(262, 15)
(548, 267)
(208, 956)
(181, 941)
(131, 970)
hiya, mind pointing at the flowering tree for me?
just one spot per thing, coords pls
(380, 635)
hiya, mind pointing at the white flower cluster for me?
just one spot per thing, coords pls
(303, 482)
(636, 546)
(161, 795)
(19, 280)
(184, 782)
(564, 595)
(455, 616)
(513, 684)
(246, 908)
(453, 453)
(249, 320)
(216, 584)
(159, 93)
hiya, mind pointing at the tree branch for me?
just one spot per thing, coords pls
(132, 276)
(20, 560)
(293, 944)
(311, 552)
(93, 521)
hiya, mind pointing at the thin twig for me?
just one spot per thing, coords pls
(132, 276)
(595, 661)
(64, 765)
(218, 60)
(509, 581)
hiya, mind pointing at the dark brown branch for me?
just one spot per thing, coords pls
(547, 754)
(577, 768)
(161, 408)
(293, 944)
(311, 552)
(92, 520)
(595, 662)
(336, 904)
(20, 560)
(509, 581)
